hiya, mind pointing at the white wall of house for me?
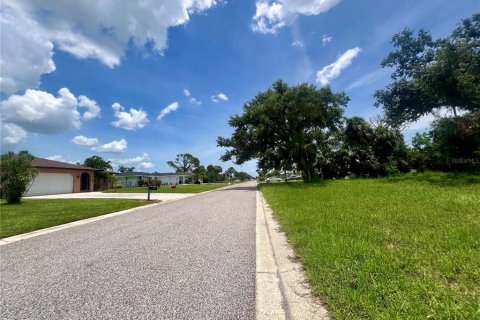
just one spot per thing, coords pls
(51, 183)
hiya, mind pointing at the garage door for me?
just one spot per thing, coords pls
(51, 183)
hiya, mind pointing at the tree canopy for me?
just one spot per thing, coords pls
(282, 127)
(184, 162)
(431, 74)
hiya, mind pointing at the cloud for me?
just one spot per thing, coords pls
(114, 146)
(186, 93)
(131, 120)
(60, 158)
(140, 162)
(370, 78)
(84, 141)
(85, 29)
(28, 54)
(195, 101)
(171, 107)
(271, 15)
(12, 135)
(219, 97)
(56, 157)
(333, 70)
(326, 39)
(41, 112)
(298, 44)
(93, 110)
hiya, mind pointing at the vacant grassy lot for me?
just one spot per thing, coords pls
(183, 188)
(34, 214)
(398, 248)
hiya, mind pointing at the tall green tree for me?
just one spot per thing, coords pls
(230, 173)
(199, 173)
(213, 172)
(431, 74)
(281, 127)
(101, 175)
(17, 175)
(184, 162)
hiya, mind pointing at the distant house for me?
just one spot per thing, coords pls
(132, 179)
(55, 177)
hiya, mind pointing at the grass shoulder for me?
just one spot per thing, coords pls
(35, 214)
(402, 247)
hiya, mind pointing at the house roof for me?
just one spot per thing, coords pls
(51, 164)
(148, 174)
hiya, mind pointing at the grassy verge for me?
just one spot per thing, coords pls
(398, 248)
(183, 188)
(34, 214)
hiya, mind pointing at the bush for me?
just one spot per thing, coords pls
(17, 174)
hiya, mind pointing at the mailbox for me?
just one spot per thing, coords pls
(152, 188)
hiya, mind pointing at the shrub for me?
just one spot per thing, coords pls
(16, 175)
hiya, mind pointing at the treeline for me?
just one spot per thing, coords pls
(187, 163)
(302, 128)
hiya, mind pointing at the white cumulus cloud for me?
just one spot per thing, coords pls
(332, 71)
(41, 112)
(12, 135)
(114, 146)
(171, 107)
(139, 162)
(94, 29)
(84, 141)
(271, 15)
(93, 110)
(219, 97)
(131, 120)
(186, 93)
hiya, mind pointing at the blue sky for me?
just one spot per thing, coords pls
(87, 79)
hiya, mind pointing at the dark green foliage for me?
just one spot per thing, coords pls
(282, 127)
(16, 175)
(456, 142)
(453, 144)
(431, 74)
(184, 162)
(101, 176)
(214, 173)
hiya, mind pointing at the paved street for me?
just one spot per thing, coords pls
(189, 259)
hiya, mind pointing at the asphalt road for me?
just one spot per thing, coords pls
(189, 259)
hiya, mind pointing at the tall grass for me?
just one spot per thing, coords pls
(398, 248)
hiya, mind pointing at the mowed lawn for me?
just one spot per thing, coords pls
(34, 214)
(182, 188)
(397, 248)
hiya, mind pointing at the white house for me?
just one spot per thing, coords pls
(132, 179)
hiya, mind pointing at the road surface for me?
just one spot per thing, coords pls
(189, 259)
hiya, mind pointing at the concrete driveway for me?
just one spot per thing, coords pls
(164, 197)
(187, 259)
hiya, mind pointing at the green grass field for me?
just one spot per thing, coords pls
(397, 248)
(183, 188)
(34, 214)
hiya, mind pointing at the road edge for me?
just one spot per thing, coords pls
(281, 289)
